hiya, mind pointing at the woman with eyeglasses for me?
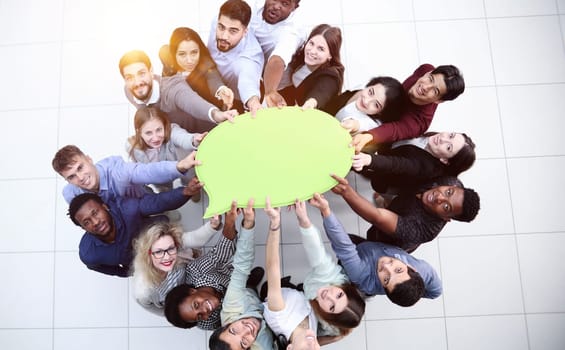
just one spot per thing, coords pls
(161, 254)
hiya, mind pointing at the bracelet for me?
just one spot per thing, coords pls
(274, 229)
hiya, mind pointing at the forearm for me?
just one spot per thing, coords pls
(151, 204)
(273, 73)
(198, 237)
(362, 207)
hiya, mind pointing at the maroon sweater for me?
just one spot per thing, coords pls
(414, 120)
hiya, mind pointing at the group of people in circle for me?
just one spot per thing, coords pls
(263, 57)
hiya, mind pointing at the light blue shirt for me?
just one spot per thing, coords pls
(240, 302)
(241, 67)
(360, 262)
(123, 179)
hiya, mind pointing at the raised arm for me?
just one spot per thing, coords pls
(384, 219)
(275, 299)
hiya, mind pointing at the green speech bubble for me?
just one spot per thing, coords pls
(283, 153)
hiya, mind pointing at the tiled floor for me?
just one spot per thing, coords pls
(503, 275)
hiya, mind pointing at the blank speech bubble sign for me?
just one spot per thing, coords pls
(283, 153)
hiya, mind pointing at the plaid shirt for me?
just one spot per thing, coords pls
(212, 270)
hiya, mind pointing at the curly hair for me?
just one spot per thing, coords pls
(142, 262)
(471, 206)
(78, 202)
(408, 292)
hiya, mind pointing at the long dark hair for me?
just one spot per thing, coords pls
(350, 317)
(332, 35)
(463, 159)
(395, 97)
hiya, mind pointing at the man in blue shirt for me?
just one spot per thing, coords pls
(379, 268)
(111, 226)
(112, 177)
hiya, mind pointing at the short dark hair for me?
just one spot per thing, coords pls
(454, 83)
(134, 56)
(79, 201)
(351, 315)
(408, 292)
(236, 9)
(174, 298)
(215, 343)
(395, 98)
(471, 205)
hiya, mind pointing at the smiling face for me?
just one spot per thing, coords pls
(371, 100)
(331, 299)
(153, 133)
(445, 145)
(139, 80)
(306, 341)
(95, 218)
(391, 272)
(188, 55)
(199, 304)
(82, 173)
(316, 52)
(445, 202)
(229, 33)
(428, 89)
(241, 334)
(278, 10)
(164, 253)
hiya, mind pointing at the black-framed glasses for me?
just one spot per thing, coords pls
(159, 254)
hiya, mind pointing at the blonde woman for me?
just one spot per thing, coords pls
(161, 254)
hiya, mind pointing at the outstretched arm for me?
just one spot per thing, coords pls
(275, 301)
(384, 219)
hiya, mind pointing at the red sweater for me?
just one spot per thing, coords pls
(414, 120)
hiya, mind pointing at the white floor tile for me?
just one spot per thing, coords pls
(38, 234)
(88, 128)
(514, 52)
(486, 259)
(526, 113)
(38, 149)
(91, 339)
(20, 20)
(365, 61)
(359, 11)
(507, 8)
(21, 69)
(97, 301)
(407, 334)
(495, 215)
(26, 339)
(445, 9)
(154, 338)
(464, 43)
(354, 340)
(530, 177)
(545, 331)
(535, 251)
(487, 333)
(475, 112)
(27, 293)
